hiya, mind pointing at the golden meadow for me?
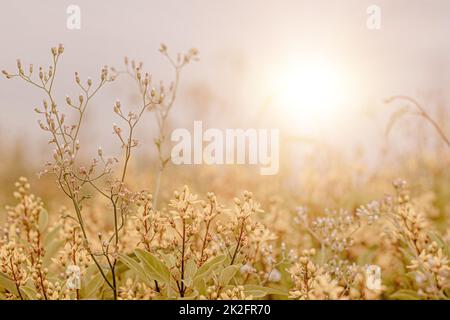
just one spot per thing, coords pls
(121, 227)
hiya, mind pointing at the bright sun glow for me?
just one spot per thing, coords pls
(310, 93)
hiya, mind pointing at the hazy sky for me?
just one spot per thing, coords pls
(243, 45)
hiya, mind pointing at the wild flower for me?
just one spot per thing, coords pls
(425, 257)
(311, 282)
(233, 293)
(116, 241)
(132, 290)
(75, 179)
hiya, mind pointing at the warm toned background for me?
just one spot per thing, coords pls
(245, 48)
(243, 45)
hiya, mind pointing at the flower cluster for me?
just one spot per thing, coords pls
(423, 251)
(310, 281)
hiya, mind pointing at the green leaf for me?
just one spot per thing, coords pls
(43, 220)
(260, 292)
(7, 283)
(200, 286)
(404, 294)
(206, 270)
(29, 292)
(134, 266)
(190, 271)
(92, 289)
(171, 291)
(154, 268)
(227, 274)
(169, 259)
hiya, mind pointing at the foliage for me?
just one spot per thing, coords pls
(122, 243)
